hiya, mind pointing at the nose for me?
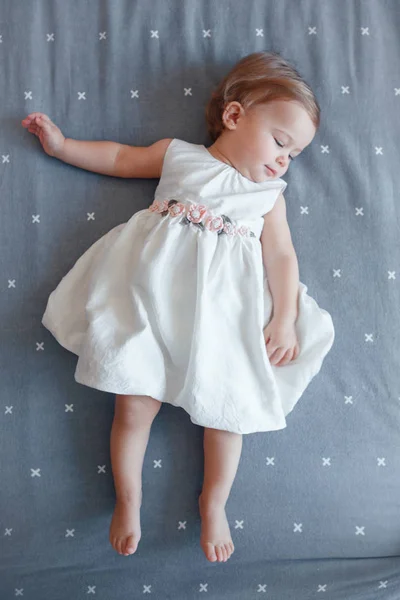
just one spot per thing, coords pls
(282, 161)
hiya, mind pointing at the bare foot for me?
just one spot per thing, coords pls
(215, 537)
(125, 529)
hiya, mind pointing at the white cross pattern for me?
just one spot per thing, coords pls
(154, 34)
(360, 530)
(381, 462)
(270, 460)
(69, 408)
(157, 463)
(90, 216)
(91, 589)
(325, 149)
(298, 527)
(134, 93)
(359, 211)
(206, 33)
(364, 30)
(8, 531)
(345, 89)
(368, 337)
(35, 218)
(102, 35)
(349, 399)
(188, 91)
(312, 31)
(81, 95)
(70, 533)
(39, 346)
(19, 592)
(336, 272)
(146, 589)
(35, 473)
(6, 158)
(238, 524)
(304, 210)
(11, 283)
(378, 150)
(101, 469)
(259, 32)
(391, 274)
(262, 588)
(322, 588)
(203, 587)
(397, 91)
(182, 524)
(326, 461)
(28, 95)
(8, 410)
(50, 37)
(383, 584)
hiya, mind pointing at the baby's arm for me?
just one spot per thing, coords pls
(108, 158)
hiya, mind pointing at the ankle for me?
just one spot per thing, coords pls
(212, 500)
(129, 496)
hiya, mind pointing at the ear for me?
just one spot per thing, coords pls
(232, 113)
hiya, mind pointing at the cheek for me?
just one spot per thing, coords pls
(269, 147)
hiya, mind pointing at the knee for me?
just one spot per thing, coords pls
(132, 410)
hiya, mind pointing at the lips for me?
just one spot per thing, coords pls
(271, 171)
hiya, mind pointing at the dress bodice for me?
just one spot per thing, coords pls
(191, 173)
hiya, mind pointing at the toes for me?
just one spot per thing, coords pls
(210, 552)
(117, 545)
(220, 553)
(124, 546)
(130, 546)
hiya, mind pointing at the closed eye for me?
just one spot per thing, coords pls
(282, 146)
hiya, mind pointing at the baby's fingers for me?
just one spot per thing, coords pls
(39, 125)
(35, 117)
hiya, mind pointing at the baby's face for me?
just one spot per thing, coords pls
(268, 137)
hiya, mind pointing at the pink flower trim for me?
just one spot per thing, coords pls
(159, 206)
(243, 230)
(196, 213)
(230, 229)
(199, 216)
(176, 210)
(214, 224)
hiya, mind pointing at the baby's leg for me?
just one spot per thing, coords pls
(222, 450)
(130, 432)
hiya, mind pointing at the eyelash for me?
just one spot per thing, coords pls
(281, 146)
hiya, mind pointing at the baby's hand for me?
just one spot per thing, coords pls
(48, 133)
(281, 342)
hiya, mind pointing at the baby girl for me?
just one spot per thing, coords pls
(196, 300)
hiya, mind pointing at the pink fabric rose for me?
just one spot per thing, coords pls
(243, 230)
(175, 210)
(196, 213)
(214, 224)
(159, 206)
(230, 229)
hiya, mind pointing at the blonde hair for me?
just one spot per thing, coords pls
(259, 78)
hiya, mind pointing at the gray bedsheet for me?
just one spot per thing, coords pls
(315, 508)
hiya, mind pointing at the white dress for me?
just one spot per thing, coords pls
(173, 303)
